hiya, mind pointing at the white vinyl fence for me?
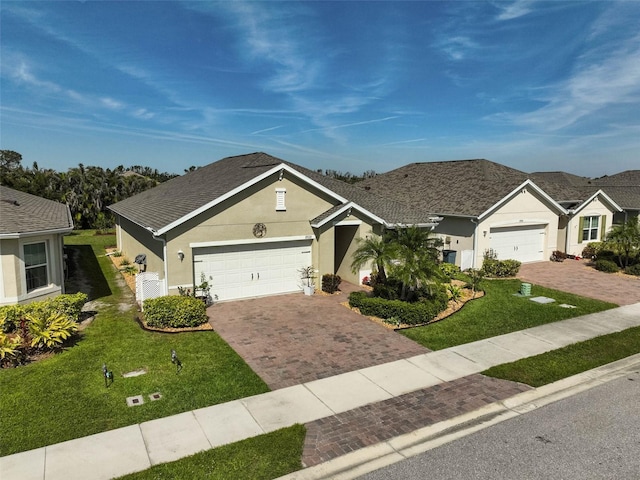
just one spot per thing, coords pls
(148, 285)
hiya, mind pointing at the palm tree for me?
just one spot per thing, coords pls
(374, 249)
(417, 255)
(625, 240)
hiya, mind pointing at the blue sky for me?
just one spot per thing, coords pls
(351, 86)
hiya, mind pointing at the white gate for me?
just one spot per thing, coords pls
(148, 285)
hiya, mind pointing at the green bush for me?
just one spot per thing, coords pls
(449, 269)
(592, 250)
(407, 313)
(68, 305)
(330, 282)
(633, 270)
(500, 268)
(607, 266)
(174, 311)
(48, 328)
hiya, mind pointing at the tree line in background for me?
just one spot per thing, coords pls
(86, 190)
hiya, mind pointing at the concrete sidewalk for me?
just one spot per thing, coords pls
(137, 447)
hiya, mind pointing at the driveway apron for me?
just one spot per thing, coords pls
(292, 339)
(576, 276)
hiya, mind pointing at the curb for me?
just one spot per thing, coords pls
(374, 457)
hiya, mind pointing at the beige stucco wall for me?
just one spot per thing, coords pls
(456, 234)
(235, 218)
(525, 207)
(133, 240)
(596, 207)
(13, 287)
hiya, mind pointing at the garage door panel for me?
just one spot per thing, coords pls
(252, 270)
(522, 243)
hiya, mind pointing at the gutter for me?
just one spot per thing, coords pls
(164, 257)
(475, 241)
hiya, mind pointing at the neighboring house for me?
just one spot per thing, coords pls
(488, 206)
(624, 189)
(590, 209)
(31, 246)
(247, 224)
(484, 206)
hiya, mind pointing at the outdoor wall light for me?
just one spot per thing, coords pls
(181, 255)
(484, 233)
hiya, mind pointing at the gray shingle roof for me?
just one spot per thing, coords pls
(25, 213)
(457, 187)
(627, 197)
(172, 200)
(622, 179)
(562, 178)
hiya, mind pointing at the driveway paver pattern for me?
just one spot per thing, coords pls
(575, 276)
(340, 434)
(292, 339)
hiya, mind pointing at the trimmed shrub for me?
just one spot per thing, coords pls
(607, 266)
(633, 270)
(449, 269)
(10, 316)
(174, 311)
(592, 250)
(70, 305)
(330, 282)
(407, 313)
(500, 268)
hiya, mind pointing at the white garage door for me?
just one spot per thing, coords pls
(525, 243)
(242, 271)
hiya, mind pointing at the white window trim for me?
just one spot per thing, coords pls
(47, 264)
(590, 228)
(281, 205)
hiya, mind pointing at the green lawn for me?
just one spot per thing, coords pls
(258, 458)
(570, 360)
(64, 397)
(499, 312)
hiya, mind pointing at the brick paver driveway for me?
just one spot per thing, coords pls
(292, 339)
(575, 276)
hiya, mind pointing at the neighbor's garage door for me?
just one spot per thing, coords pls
(525, 243)
(242, 271)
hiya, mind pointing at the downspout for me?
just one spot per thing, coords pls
(164, 259)
(475, 242)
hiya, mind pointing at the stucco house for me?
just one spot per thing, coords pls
(247, 224)
(487, 206)
(31, 246)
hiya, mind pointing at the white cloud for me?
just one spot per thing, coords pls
(517, 9)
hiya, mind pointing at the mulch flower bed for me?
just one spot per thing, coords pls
(452, 307)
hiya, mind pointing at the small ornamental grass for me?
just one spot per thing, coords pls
(175, 311)
(330, 283)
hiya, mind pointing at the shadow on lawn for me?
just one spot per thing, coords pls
(85, 274)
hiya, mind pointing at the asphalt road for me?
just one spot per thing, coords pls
(592, 435)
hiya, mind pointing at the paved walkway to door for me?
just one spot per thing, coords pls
(292, 339)
(575, 276)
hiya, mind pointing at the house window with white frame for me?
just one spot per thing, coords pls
(35, 265)
(590, 228)
(280, 199)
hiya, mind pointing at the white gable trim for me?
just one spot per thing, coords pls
(344, 208)
(277, 169)
(600, 193)
(525, 184)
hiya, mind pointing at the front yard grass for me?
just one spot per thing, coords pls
(570, 360)
(500, 312)
(259, 458)
(64, 397)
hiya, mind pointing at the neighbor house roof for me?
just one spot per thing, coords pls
(562, 178)
(628, 178)
(22, 213)
(456, 187)
(171, 202)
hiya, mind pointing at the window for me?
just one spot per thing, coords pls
(280, 194)
(590, 228)
(35, 265)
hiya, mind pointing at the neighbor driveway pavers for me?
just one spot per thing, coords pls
(575, 276)
(292, 339)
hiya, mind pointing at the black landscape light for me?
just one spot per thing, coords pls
(175, 360)
(108, 376)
